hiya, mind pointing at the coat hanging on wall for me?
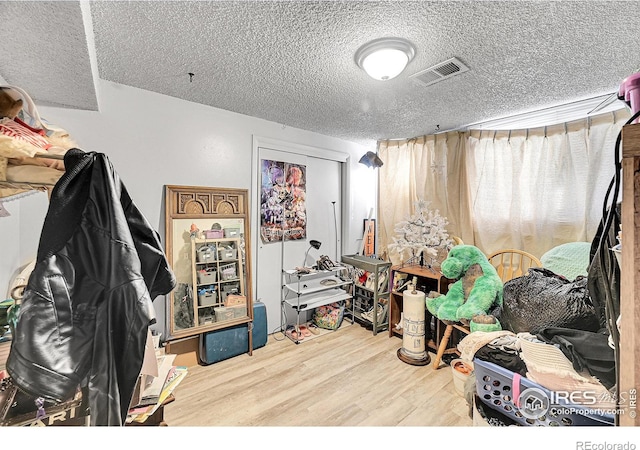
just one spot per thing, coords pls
(87, 306)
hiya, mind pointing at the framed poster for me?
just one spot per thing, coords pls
(369, 237)
(283, 211)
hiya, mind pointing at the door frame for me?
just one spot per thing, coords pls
(299, 150)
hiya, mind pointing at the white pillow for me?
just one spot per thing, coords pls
(569, 260)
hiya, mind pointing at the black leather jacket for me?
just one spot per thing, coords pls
(88, 303)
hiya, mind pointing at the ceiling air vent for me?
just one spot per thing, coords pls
(439, 72)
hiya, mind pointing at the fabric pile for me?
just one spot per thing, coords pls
(23, 136)
(553, 337)
(560, 360)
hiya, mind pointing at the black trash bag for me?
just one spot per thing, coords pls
(541, 299)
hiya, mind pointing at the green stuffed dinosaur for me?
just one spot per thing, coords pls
(475, 294)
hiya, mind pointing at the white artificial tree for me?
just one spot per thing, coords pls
(422, 232)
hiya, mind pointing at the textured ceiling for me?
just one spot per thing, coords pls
(292, 62)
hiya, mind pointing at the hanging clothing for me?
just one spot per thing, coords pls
(87, 306)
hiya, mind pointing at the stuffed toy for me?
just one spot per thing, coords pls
(476, 293)
(9, 107)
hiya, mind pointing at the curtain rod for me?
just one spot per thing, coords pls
(565, 112)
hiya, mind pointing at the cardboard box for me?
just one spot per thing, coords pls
(235, 300)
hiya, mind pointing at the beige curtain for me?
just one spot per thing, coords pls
(431, 168)
(526, 189)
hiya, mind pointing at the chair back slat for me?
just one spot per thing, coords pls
(512, 263)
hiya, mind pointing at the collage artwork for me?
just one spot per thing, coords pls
(283, 212)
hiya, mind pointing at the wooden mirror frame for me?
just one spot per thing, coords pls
(204, 206)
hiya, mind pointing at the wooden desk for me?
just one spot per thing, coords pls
(428, 280)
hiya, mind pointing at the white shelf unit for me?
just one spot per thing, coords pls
(306, 291)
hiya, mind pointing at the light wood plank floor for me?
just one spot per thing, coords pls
(345, 378)
(4, 353)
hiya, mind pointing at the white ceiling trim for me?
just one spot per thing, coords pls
(299, 149)
(549, 116)
(85, 8)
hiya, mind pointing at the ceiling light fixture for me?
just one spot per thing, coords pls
(385, 58)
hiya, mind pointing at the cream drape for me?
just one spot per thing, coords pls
(526, 189)
(430, 168)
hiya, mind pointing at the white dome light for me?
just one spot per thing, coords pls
(385, 58)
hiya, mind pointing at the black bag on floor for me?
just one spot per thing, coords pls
(542, 299)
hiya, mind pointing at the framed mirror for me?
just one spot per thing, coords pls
(208, 247)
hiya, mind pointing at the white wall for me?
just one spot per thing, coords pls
(19, 236)
(154, 140)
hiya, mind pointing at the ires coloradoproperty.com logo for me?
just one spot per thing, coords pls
(534, 403)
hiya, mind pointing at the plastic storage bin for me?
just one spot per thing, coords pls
(496, 389)
(207, 296)
(223, 313)
(232, 288)
(206, 253)
(228, 272)
(207, 276)
(213, 234)
(227, 254)
(231, 232)
(206, 316)
(238, 310)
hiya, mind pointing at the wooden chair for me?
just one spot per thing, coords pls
(509, 264)
(444, 342)
(512, 263)
(448, 331)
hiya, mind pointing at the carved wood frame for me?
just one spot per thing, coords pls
(199, 202)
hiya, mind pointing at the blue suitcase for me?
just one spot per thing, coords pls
(219, 345)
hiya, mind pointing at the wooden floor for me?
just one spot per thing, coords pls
(4, 353)
(345, 378)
